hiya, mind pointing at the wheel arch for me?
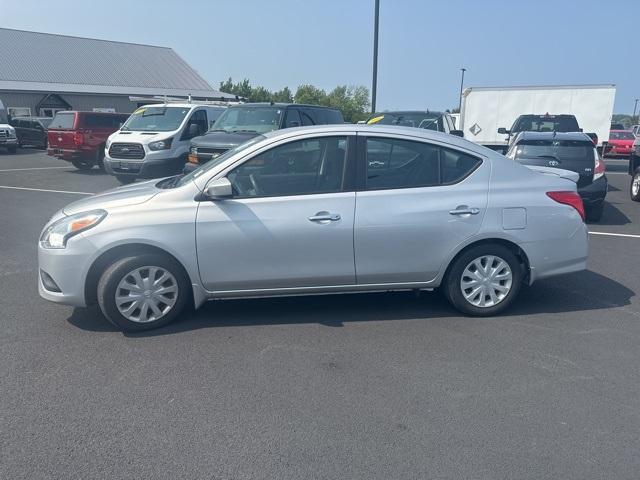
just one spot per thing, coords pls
(106, 258)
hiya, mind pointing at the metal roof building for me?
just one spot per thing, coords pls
(41, 73)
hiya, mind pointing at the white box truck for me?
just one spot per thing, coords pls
(486, 109)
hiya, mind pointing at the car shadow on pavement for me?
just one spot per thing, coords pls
(612, 216)
(571, 293)
(91, 172)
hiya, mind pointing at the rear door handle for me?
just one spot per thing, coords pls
(325, 217)
(464, 211)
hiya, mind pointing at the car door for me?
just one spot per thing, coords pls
(289, 223)
(416, 202)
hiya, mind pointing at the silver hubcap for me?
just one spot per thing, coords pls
(146, 294)
(486, 281)
(635, 185)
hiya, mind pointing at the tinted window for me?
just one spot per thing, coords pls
(249, 118)
(292, 119)
(621, 136)
(334, 116)
(100, 121)
(198, 118)
(569, 150)
(158, 119)
(63, 121)
(545, 123)
(296, 168)
(405, 164)
(307, 117)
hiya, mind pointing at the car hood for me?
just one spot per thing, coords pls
(222, 139)
(118, 197)
(131, 136)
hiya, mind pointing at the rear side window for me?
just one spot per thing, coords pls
(574, 150)
(63, 121)
(334, 117)
(395, 163)
(292, 119)
(101, 121)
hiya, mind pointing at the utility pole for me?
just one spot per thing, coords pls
(461, 86)
(374, 83)
(634, 112)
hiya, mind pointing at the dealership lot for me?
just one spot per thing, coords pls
(339, 386)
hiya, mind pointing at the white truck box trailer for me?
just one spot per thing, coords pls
(485, 109)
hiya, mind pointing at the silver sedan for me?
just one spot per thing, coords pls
(342, 208)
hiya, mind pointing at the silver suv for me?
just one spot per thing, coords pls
(338, 208)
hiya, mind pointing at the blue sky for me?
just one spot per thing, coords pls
(423, 43)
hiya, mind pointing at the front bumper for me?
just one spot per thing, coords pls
(594, 193)
(8, 142)
(68, 268)
(146, 168)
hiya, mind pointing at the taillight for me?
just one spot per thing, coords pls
(569, 198)
(599, 169)
(78, 138)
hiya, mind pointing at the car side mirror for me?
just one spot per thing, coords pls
(457, 133)
(503, 131)
(219, 189)
(193, 131)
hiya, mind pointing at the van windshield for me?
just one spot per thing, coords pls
(251, 119)
(155, 119)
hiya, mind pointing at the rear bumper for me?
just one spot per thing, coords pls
(147, 168)
(71, 155)
(594, 193)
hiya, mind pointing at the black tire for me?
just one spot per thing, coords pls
(451, 283)
(634, 188)
(45, 144)
(125, 179)
(100, 158)
(112, 276)
(594, 212)
(82, 164)
(12, 149)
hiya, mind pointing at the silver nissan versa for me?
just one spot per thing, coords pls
(337, 208)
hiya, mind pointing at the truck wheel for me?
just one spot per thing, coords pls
(100, 158)
(82, 164)
(125, 179)
(634, 190)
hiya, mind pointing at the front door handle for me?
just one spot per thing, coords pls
(464, 210)
(325, 217)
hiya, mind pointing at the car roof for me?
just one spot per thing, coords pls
(417, 133)
(281, 105)
(405, 112)
(554, 136)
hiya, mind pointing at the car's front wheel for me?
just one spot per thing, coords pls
(483, 280)
(143, 292)
(634, 190)
(82, 164)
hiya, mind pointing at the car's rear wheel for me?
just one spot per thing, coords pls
(634, 190)
(100, 158)
(483, 280)
(143, 292)
(82, 164)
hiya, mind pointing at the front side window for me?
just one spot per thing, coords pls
(198, 118)
(395, 163)
(156, 119)
(301, 167)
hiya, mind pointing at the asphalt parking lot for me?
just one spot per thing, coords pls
(341, 386)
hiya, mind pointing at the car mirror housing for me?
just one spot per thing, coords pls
(503, 131)
(457, 133)
(219, 189)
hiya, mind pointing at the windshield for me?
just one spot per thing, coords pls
(621, 136)
(570, 150)
(217, 161)
(429, 121)
(156, 119)
(545, 123)
(46, 122)
(63, 121)
(251, 119)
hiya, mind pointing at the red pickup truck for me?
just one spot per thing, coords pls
(79, 137)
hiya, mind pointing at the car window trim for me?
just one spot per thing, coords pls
(361, 169)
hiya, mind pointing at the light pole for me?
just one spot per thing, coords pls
(461, 86)
(374, 83)
(634, 112)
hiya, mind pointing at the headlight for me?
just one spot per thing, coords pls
(12, 132)
(57, 234)
(161, 144)
(107, 144)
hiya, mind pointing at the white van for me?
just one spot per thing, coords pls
(154, 141)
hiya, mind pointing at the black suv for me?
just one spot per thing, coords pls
(437, 121)
(240, 123)
(568, 151)
(31, 130)
(544, 123)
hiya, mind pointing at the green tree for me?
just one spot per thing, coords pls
(353, 101)
(283, 96)
(311, 95)
(260, 94)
